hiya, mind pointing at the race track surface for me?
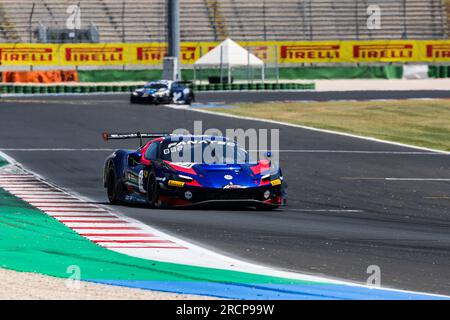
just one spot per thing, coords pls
(343, 215)
(228, 97)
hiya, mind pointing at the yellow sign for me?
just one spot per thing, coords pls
(391, 51)
(270, 52)
(153, 53)
(308, 52)
(89, 54)
(26, 54)
(435, 51)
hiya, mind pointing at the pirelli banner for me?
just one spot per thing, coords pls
(365, 52)
(270, 52)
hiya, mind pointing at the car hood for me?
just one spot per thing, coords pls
(148, 91)
(225, 176)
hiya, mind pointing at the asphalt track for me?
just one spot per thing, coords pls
(252, 96)
(343, 216)
(317, 96)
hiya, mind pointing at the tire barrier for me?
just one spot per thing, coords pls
(89, 89)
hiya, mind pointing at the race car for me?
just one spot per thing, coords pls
(163, 92)
(190, 170)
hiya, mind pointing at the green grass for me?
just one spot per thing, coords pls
(3, 162)
(424, 123)
(31, 241)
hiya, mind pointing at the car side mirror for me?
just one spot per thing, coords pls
(134, 158)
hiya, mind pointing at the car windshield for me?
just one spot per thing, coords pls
(204, 151)
(155, 86)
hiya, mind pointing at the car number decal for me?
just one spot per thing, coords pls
(141, 181)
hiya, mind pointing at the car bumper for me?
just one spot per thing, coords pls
(248, 197)
(231, 203)
(141, 99)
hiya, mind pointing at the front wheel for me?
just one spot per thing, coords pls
(133, 100)
(152, 191)
(189, 99)
(112, 188)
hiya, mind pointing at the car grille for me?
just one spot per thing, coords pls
(236, 194)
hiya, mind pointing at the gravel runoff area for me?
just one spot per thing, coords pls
(32, 286)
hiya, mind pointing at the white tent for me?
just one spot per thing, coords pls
(228, 55)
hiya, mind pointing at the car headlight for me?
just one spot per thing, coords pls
(275, 182)
(134, 93)
(175, 183)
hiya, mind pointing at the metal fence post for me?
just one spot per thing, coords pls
(277, 67)
(30, 30)
(221, 64)
(264, 20)
(356, 20)
(248, 65)
(405, 28)
(310, 21)
(123, 27)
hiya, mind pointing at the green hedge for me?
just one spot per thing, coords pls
(291, 73)
(359, 72)
(316, 73)
(118, 75)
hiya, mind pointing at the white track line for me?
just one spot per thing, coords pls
(76, 214)
(62, 205)
(59, 149)
(397, 179)
(327, 210)
(415, 179)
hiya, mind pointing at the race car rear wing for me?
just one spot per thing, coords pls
(138, 135)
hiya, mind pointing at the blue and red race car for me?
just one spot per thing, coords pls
(188, 170)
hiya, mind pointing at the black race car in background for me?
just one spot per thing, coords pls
(163, 92)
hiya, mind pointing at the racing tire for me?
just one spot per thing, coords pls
(152, 191)
(112, 188)
(189, 99)
(133, 100)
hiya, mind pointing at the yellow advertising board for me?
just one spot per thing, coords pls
(26, 54)
(93, 54)
(152, 54)
(435, 51)
(350, 52)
